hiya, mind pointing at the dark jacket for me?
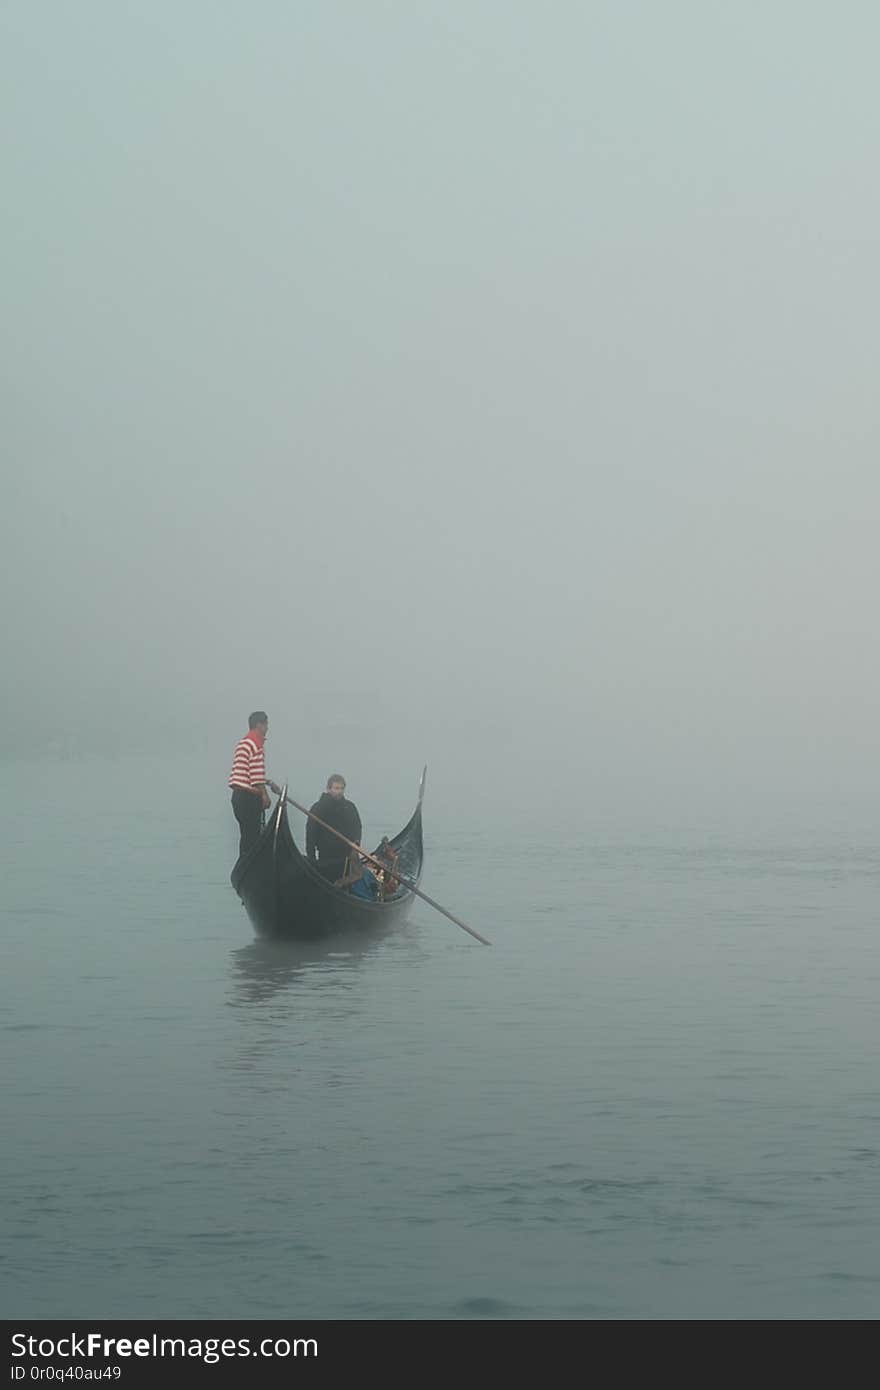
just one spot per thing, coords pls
(343, 816)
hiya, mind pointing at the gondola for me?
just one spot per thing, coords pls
(286, 897)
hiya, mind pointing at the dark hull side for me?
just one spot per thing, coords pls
(286, 897)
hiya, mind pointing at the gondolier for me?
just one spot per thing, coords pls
(248, 781)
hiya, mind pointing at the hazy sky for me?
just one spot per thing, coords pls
(493, 381)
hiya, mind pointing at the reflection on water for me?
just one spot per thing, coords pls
(265, 968)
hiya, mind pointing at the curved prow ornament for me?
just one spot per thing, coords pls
(279, 812)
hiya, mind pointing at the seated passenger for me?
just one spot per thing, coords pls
(390, 859)
(369, 884)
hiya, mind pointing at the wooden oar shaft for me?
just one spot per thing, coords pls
(384, 867)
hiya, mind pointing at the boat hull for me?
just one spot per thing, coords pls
(286, 897)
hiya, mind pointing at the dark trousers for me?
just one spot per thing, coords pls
(332, 869)
(248, 811)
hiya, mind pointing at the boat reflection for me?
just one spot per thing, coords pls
(265, 968)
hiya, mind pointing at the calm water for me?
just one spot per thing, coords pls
(657, 1096)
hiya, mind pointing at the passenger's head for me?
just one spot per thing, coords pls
(336, 786)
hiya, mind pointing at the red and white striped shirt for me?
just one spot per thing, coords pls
(248, 763)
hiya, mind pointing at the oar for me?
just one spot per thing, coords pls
(384, 867)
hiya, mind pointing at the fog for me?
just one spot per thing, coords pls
(490, 385)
